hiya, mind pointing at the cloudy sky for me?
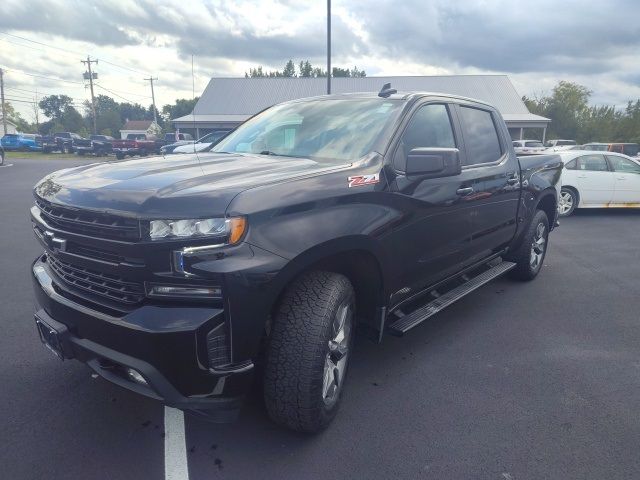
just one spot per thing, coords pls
(595, 43)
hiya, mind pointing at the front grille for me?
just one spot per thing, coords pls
(104, 285)
(94, 224)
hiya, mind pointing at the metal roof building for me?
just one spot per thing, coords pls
(226, 102)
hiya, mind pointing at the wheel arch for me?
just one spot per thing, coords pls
(357, 258)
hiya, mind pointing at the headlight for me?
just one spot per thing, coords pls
(230, 230)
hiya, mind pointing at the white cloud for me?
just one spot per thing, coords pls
(593, 43)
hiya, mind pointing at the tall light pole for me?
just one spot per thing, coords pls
(328, 47)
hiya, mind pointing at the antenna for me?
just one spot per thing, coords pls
(387, 91)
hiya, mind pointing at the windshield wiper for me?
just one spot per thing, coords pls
(269, 152)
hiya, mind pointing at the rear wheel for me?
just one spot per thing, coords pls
(119, 156)
(530, 255)
(567, 202)
(309, 351)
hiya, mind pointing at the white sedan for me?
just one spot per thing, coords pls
(593, 179)
(203, 143)
(528, 146)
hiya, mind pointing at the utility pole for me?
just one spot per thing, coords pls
(153, 98)
(90, 76)
(4, 114)
(328, 47)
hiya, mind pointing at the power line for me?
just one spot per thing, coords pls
(113, 93)
(70, 52)
(43, 76)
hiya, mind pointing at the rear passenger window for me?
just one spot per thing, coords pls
(480, 136)
(593, 163)
(431, 127)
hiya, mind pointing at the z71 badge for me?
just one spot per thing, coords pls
(360, 180)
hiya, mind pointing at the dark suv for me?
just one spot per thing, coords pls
(178, 277)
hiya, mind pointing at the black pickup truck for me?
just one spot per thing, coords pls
(184, 278)
(97, 145)
(61, 142)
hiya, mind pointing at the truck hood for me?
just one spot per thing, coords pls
(174, 186)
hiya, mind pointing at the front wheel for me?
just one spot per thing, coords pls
(309, 350)
(567, 202)
(119, 156)
(529, 257)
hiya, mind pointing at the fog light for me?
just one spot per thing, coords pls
(135, 376)
(183, 292)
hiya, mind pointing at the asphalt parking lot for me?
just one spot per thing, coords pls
(516, 381)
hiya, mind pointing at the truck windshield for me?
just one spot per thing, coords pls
(335, 130)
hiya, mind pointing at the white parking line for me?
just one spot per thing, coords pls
(175, 448)
(7, 165)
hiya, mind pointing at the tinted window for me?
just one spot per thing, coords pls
(517, 144)
(559, 143)
(572, 165)
(480, 136)
(429, 127)
(594, 163)
(533, 144)
(620, 164)
(631, 149)
(597, 147)
(62, 135)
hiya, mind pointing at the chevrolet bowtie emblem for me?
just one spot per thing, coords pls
(56, 244)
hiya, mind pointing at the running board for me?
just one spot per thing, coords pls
(407, 322)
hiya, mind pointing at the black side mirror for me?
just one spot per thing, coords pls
(434, 162)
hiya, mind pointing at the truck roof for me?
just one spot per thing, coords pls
(394, 96)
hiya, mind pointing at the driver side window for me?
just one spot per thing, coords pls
(431, 127)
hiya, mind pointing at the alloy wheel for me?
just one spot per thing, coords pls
(335, 365)
(538, 246)
(565, 202)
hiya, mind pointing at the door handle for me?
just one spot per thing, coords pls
(465, 191)
(512, 178)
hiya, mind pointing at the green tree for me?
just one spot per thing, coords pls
(54, 106)
(289, 69)
(181, 107)
(71, 120)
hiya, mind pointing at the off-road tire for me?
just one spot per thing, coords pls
(298, 347)
(522, 256)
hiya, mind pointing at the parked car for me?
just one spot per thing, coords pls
(527, 147)
(136, 144)
(60, 142)
(560, 143)
(173, 140)
(630, 149)
(312, 216)
(596, 179)
(98, 145)
(22, 142)
(563, 148)
(203, 143)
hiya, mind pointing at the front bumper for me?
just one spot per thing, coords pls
(163, 344)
